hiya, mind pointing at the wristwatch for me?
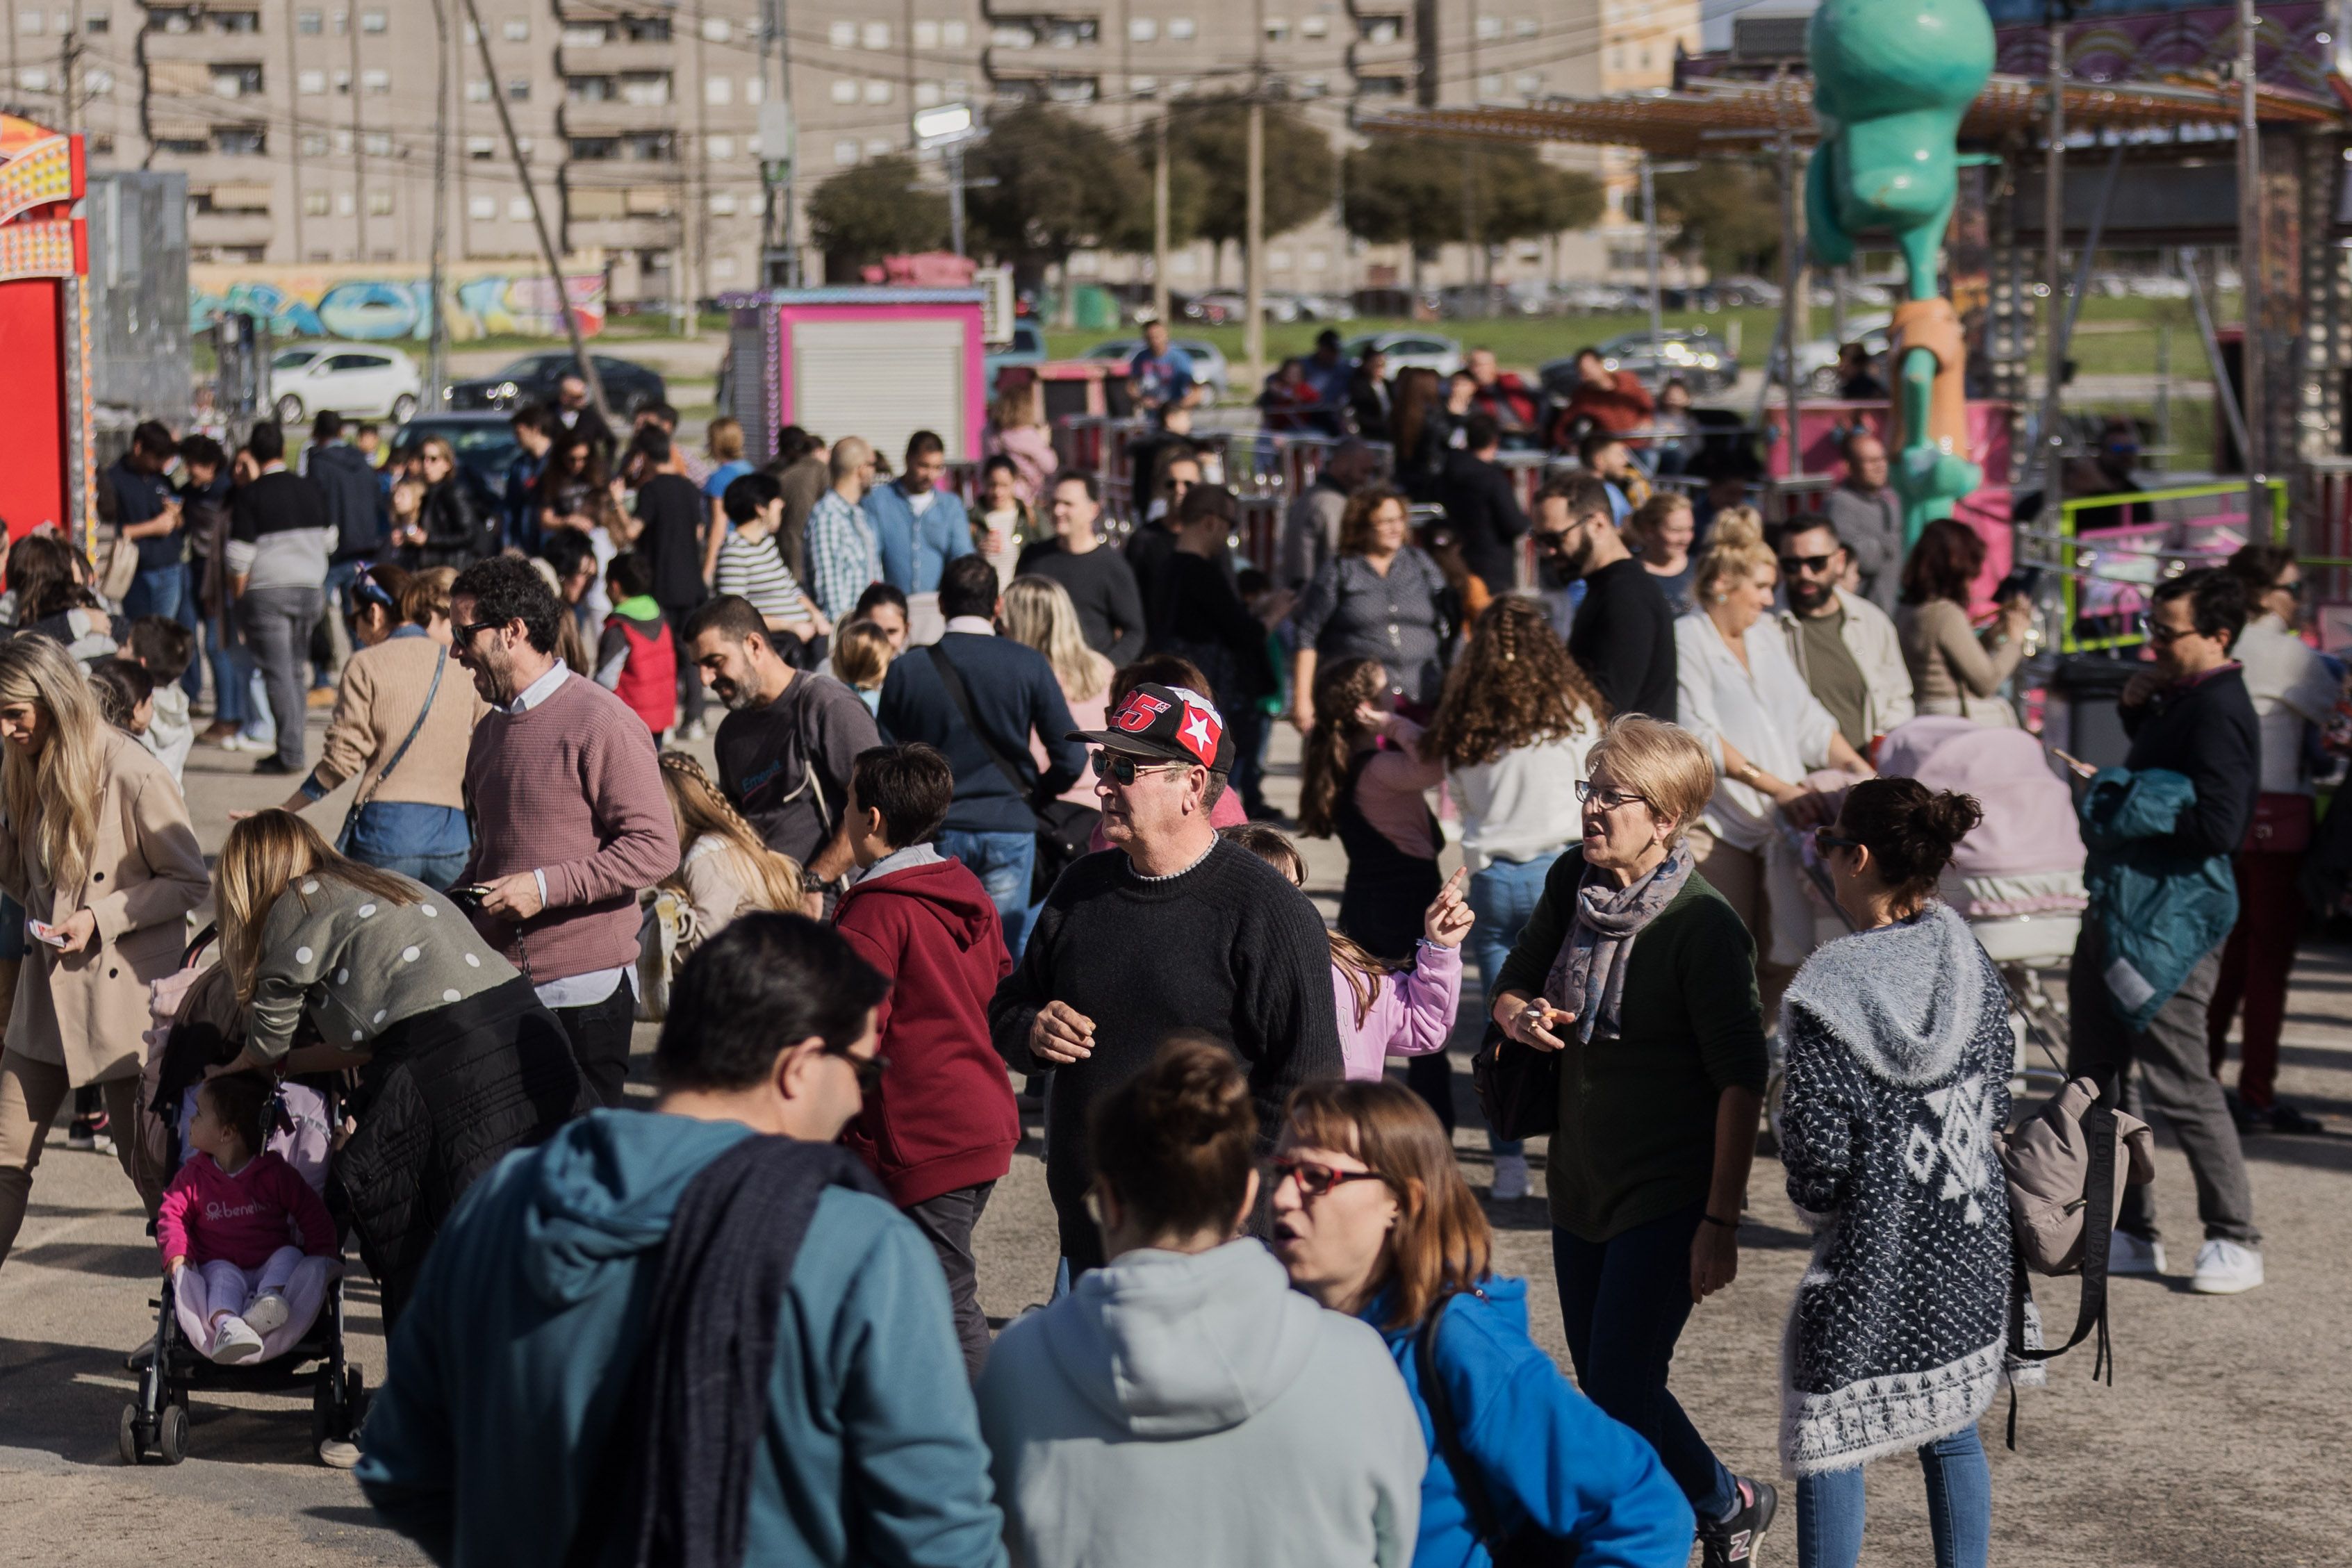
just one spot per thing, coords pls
(811, 883)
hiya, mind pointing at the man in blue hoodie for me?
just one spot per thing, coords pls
(494, 1440)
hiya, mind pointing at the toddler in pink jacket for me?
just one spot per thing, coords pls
(1385, 1010)
(227, 1230)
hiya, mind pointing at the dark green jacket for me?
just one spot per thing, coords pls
(1636, 1138)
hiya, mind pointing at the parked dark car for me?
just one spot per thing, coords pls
(532, 378)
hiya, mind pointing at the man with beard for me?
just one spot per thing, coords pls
(1844, 645)
(788, 745)
(1624, 637)
(571, 821)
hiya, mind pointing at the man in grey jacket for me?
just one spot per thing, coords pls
(1868, 516)
(1843, 645)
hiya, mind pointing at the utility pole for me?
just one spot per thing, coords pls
(538, 222)
(294, 125)
(2053, 271)
(1793, 314)
(437, 349)
(359, 133)
(1254, 218)
(779, 155)
(68, 57)
(1650, 245)
(1159, 213)
(2252, 356)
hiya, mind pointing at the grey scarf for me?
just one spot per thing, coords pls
(1588, 978)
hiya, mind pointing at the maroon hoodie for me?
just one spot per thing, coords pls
(943, 1116)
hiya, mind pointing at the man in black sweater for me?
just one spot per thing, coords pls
(1624, 637)
(1480, 505)
(1099, 579)
(1171, 928)
(2189, 714)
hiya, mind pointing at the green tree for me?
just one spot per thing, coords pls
(1213, 135)
(1061, 185)
(862, 215)
(1425, 190)
(1728, 215)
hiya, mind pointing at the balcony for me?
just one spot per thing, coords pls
(611, 162)
(1004, 65)
(1017, 12)
(1370, 8)
(1401, 58)
(614, 58)
(611, 116)
(240, 229)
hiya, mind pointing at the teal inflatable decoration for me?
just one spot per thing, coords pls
(1892, 79)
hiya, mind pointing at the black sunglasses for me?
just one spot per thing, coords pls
(465, 635)
(1120, 769)
(1793, 564)
(1828, 839)
(870, 1069)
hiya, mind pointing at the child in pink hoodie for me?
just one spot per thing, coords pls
(1383, 1010)
(227, 1228)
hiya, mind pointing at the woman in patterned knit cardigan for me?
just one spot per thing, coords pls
(1899, 1056)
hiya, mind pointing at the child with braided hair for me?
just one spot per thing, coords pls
(725, 868)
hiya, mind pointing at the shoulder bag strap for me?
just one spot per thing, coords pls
(953, 680)
(1468, 1482)
(440, 664)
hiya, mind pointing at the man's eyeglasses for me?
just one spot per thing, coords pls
(1121, 768)
(465, 635)
(1810, 564)
(1315, 1180)
(870, 1069)
(1828, 839)
(1587, 793)
(2160, 636)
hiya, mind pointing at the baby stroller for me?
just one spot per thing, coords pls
(188, 1036)
(2017, 878)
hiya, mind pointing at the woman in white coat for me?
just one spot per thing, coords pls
(1741, 695)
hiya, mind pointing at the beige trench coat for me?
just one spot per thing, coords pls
(89, 1010)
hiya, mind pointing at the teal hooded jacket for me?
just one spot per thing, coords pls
(2159, 908)
(509, 1364)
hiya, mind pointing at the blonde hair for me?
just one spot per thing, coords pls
(1663, 763)
(426, 594)
(52, 793)
(1735, 548)
(726, 438)
(266, 855)
(1038, 612)
(699, 810)
(861, 653)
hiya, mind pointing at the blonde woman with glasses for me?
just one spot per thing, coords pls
(98, 848)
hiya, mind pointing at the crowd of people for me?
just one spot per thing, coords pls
(986, 804)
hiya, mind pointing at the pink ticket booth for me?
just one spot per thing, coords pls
(876, 362)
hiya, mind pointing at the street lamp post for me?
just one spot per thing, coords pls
(948, 129)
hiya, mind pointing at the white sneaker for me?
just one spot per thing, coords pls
(2129, 1254)
(696, 730)
(1510, 1177)
(245, 743)
(338, 1454)
(267, 1315)
(234, 1341)
(2226, 1268)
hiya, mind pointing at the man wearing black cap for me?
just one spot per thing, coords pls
(1171, 928)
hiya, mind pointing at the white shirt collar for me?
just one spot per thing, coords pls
(978, 625)
(540, 690)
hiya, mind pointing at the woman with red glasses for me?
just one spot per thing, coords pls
(1371, 1218)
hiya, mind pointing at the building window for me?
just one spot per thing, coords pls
(223, 21)
(343, 142)
(722, 204)
(718, 91)
(97, 24)
(311, 24)
(927, 35)
(480, 149)
(1381, 30)
(1143, 87)
(722, 267)
(1314, 26)
(927, 93)
(376, 144)
(876, 35)
(1531, 84)
(313, 145)
(518, 89)
(1525, 26)
(477, 91)
(845, 89)
(374, 22)
(717, 29)
(516, 30)
(1279, 259)
(33, 79)
(877, 147)
(955, 35)
(344, 204)
(593, 149)
(1313, 86)
(1490, 27)
(1180, 28)
(845, 154)
(310, 84)
(343, 80)
(99, 82)
(719, 149)
(375, 83)
(314, 204)
(842, 35)
(484, 207)
(1278, 29)
(646, 90)
(1490, 86)
(584, 35)
(32, 21)
(877, 91)
(519, 208)
(754, 89)
(1144, 29)
(1318, 261)
(379, 203)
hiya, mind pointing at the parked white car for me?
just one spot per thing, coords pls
(364, 380)
(1407, 350)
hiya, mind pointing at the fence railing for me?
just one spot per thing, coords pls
(2107, 572)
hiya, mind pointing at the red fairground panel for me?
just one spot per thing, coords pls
(44, 331)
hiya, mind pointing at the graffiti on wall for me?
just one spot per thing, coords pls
(374, 304)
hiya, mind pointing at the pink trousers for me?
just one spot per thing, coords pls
(223, 1287)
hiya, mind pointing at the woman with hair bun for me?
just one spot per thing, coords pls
(1142, 1416)
(1899, 1057)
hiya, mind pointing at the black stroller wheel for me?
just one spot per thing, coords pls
(355, 1399)
(172, 1433)
(325, 1398)
(127, 1439)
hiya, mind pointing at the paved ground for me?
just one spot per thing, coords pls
(2221, 1442)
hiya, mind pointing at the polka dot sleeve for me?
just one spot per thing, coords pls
(296, 950)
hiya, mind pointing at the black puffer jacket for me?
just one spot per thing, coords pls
(454, 531)
(443, 1098)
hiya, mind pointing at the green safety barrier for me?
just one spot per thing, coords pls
(2070, 577)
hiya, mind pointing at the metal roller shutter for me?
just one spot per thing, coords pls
(881, 379)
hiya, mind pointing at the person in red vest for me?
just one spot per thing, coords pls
(636, 660)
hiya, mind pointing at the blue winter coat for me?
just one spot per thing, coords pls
(914, 550)
(1546, 1453)
(2159, 908)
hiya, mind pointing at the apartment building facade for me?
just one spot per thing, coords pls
(307, 128)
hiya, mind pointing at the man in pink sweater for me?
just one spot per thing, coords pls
(569, 820)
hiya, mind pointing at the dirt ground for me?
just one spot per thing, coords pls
(2221, 1442)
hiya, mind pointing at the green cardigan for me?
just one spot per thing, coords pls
(1636, 1138)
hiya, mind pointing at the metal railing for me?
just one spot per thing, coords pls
(2106, 576)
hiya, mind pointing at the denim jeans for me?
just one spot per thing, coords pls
(340, 575)
(1002, 862)
(155, 591)
(232, 667)
(1503, 897)
(1623, 1304)
(276, 621)
(426, 841)
(1959, 1507)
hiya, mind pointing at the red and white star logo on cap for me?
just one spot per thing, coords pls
(1199, 733)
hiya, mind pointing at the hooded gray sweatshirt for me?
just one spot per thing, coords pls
(1140, 1418)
